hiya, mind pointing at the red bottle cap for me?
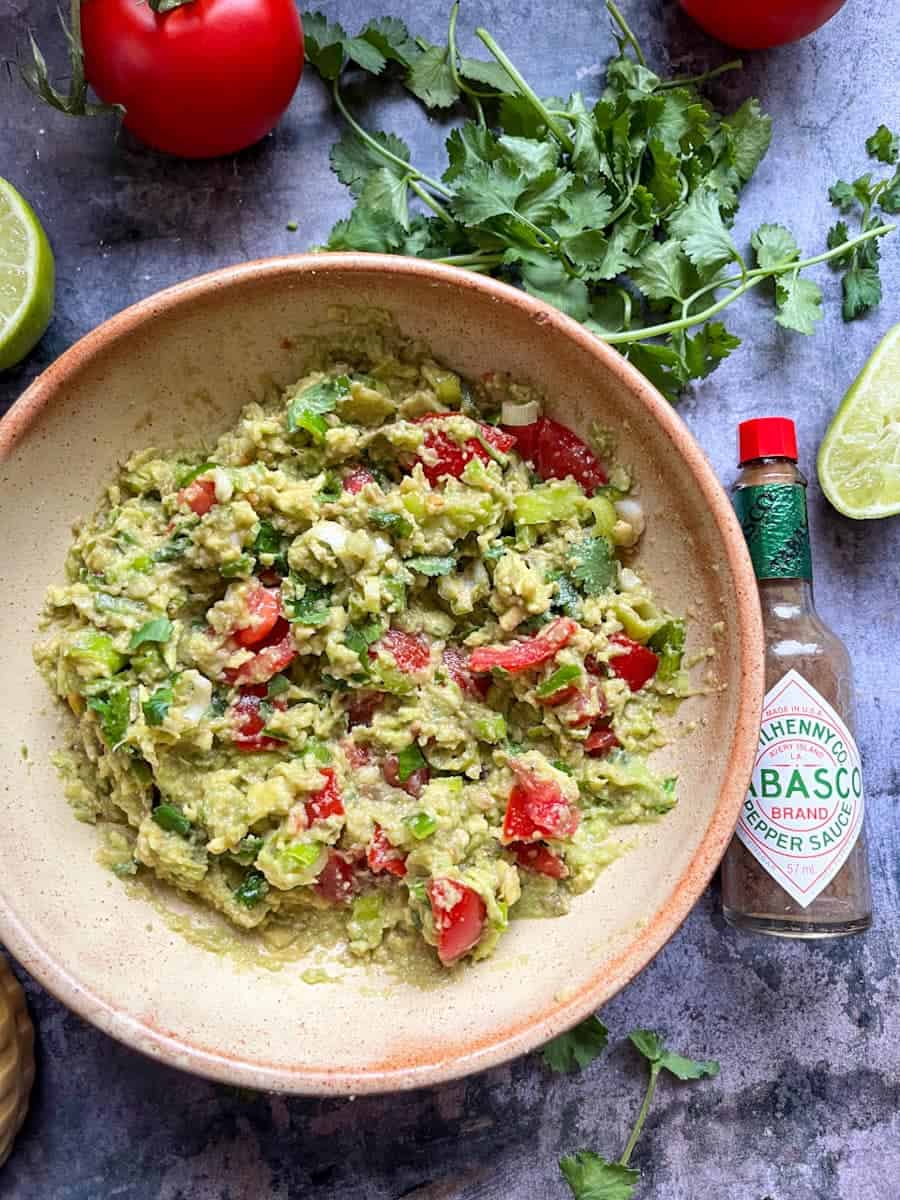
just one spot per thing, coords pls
(767, 437)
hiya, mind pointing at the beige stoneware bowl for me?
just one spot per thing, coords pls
(175, 369)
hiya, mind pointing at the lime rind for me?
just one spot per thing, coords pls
(26, 277)
(859, 459)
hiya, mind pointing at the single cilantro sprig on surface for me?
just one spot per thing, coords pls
(619, 213)
(861, 282)
(590, 1176)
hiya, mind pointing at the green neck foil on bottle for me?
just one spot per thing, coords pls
(773, 518)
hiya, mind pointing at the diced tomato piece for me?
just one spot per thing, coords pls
(452, 456)
(356, 479)
(563, 696)
(274, 652)
(412, 785)
(459, 914)
(533, 856)
(636, 664)
(559, 452)
(526, 438)
(382, 856)
(410, 651)
(361, 706)
(263, 610)
(600, 741)
(270, 577)
(199, 496)
(327, 801)
(537, 809)
(357, 755)
(249, 721)
(456, 660)
(528, 653)
(337, 882)
(590, 704)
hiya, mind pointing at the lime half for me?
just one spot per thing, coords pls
(26, 277)
(859, 459)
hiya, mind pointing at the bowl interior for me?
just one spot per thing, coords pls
(177, 370)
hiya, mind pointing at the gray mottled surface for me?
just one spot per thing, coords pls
(807, 1105)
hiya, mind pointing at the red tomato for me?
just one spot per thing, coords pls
(532, 856)
(413, 784)
(589, 705)
(600, 741)
(361, 707)
(636, 665)
(410, 651)
(356, 479)
(456, 660)
(199, 496)
(530, 652)
(762, 23)
(537, 809)
(249, 721)
(563, 696)
(205, 79)
(357, 755)
(327, 801)
(263, 609)
(459, 914)
(274, 653)
(382, 856)
(453, 456)
(337, 882)
(560, 452)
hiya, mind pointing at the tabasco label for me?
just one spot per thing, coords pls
(804, 808)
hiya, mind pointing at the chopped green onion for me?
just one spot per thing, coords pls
(171, 819)
(560, 678)
(409, 760)
(430, 564)
(95, 654)
(490, 729)
(421, 825)
(302, 854)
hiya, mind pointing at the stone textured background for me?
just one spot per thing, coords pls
(807, 1106)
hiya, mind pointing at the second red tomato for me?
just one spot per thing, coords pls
(759, 24)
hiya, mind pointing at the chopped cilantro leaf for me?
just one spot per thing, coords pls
(594, 565)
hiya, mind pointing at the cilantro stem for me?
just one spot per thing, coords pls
(474, 94)
(739, 285)
(527, 91)
(642, 1115)
(479, 260)
(436, 207)
(413, 173)
(613, 10)
(735, 64)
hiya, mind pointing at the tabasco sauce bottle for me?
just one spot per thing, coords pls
(797, 866)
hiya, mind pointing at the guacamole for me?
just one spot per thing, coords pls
(376, 654)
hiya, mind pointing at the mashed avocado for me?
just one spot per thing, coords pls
(374, 655)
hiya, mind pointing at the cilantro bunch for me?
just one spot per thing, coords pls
(619, 213)
(590, 1176)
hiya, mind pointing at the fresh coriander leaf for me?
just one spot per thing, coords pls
(665, 182)
(365, 55)
(883, 145)
(841, 195)
(668, 643)
(323, 44)
(663, 271)
(304, 411)
(654, 1049)
(112, 705)
(468, 145)
(391, 37)
(584, 206)
(157, 706)
(491, 74)
(430, 564)
(585, 157)
(171, 819)
(681, 120)
(354, 161)
(409, 760)
(385, 191)
(392, 523)
(862, 292)
(837, 235)
(360, 637)
(546, 277)
(252, 889)
(799, 302)
(539, 201)
(862, 188)
(518, 117)
(593, 1178)
(701, 230)
(431, 79)
(707, 348)
(270, 543)
(366, 229)
(313, 607)
(158, 630)
(576, 1048)
(487, 190)
(663, 366)
(567, 599)
(595, 566)
(773, 245)
(889, 200)
(527, 155)
(749, 132)
(600, 258)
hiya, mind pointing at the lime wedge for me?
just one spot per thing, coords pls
(26, 277)
(859, 459)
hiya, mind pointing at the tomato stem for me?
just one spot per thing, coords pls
(527, 92)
